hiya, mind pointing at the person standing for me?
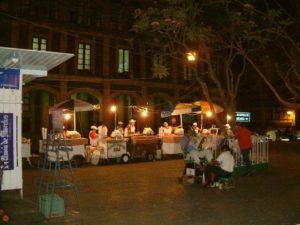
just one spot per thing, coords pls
(166, 130)
(243, 135)
(102, 132)
(93, 136)
(120, 127)
(130, 129)
(195, 128)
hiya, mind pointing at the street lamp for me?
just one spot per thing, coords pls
(113, 108)
(191, 56)
(145, 112)
(228, 117)
(209, 114)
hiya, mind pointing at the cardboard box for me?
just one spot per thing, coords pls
(56, 209)
(190, 172)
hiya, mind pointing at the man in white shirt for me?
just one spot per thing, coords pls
(102, 132)
(130, 129)
(223, 166)
(195, 128)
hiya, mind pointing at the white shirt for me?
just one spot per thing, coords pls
(129, 130)
(102, 131)
(226, 161)
(167, 131)
(196, 129)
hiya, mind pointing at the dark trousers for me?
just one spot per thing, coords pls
(213, 173)
(246, 158)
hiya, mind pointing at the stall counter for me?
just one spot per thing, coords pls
(171, 144)
(77, 144)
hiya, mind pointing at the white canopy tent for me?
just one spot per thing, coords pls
(74, 105)
(18, 67)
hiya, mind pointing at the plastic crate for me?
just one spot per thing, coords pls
(57, 209)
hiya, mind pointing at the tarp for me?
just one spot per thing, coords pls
(74, 105)
(205, 107)
(180, 109)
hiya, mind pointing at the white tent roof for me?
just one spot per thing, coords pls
(33, 63)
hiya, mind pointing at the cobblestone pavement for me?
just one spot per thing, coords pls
(147, 193)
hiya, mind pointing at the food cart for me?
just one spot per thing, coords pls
(114, 148)
(144, 146)
(171, 144)
(77, 148)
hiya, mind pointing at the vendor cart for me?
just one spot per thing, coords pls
(144, 146)
(114, 148)
(171, 144)
(77, 149)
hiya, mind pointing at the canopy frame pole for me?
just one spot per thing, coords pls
(201, 124)
(74, 120)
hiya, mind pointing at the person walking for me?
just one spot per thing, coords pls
(243, 135)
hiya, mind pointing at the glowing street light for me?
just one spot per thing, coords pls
(191, 56)
(145, 112)
(209, 114)
(113, 108)
(228, 117)
(67, 116)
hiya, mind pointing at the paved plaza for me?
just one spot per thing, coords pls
(147, 193)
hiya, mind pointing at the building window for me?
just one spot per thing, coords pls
(123, 66)
(84, 57)
(39, 43)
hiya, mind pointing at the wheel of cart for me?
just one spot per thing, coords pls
(150, 156)
(125, 158)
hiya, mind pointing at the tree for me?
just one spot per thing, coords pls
(231, 36)
(183, 26)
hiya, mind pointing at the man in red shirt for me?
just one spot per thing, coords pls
(243, 136)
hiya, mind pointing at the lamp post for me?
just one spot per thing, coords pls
(113, 108)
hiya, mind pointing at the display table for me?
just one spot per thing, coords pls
(77, 147)
(171, 144)
(26, 152)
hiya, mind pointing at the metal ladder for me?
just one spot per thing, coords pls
(56, 172)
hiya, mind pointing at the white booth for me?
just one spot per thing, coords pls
(17, 67)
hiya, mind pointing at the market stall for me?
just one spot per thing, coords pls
(77, 147)
(26, 149)
(114, 148)
(144, 146)
(171, 144)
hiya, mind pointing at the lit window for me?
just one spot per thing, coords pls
(84, 57)
(123, 61)
(39, 43)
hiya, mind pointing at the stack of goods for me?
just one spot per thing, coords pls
(148, 131)
(116, 134)
(72, 134)
(179, 131)
(26, 140)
